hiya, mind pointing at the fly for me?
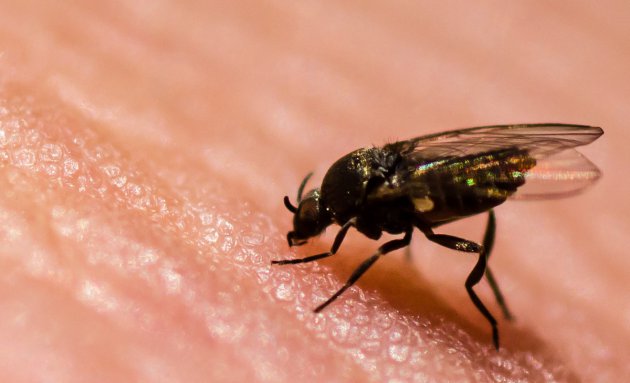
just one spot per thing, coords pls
(439, 178)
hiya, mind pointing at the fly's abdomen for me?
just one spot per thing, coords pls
(467, 185)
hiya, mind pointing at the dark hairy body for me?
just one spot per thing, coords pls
(432, 180)
(393, 192)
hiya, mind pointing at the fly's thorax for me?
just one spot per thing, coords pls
(345, 184)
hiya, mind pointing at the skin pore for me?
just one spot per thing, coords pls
(146, 149)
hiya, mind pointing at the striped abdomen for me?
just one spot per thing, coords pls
(462, 186)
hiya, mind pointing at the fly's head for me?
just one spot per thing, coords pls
(310, 217)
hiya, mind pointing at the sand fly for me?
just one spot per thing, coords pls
(432, 180)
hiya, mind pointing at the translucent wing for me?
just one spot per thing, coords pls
(560, 170)
(557, 176)
(539, 140)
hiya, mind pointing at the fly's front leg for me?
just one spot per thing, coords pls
(363, 267)
(475, 275)
(338, 240)
(488, 243)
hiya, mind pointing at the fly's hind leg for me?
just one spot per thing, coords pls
(475, 275)
(488, 243)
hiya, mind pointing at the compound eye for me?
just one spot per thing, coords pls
(306, 222)
(309, 211)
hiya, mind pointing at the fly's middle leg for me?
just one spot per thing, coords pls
(363, 267)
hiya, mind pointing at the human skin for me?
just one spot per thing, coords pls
(146, 148)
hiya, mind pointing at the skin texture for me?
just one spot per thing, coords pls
(146, 148)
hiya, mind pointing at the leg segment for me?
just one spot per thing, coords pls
(338, 240)
(475, 275)
(363, 267)
(488, 243)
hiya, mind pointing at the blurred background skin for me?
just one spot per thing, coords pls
(146, 147)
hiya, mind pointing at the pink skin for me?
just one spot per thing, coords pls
(146, 148)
